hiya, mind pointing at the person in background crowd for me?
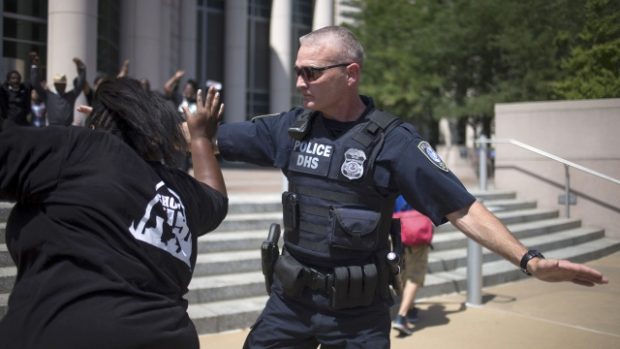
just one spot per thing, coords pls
(346, 161)
(15, 99)
(104, 232)
(38, 110)
(89, 92)
(416, 262)
(187, 97)
(60, 105)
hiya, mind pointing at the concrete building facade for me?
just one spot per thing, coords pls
(247, 45)
(583, 132)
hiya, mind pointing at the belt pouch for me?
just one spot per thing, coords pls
(340, 289)
(290, 215)
(356, 286)
(370, 283)
(290, 273)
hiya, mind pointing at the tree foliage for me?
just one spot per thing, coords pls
(593, 67)
(428, 59)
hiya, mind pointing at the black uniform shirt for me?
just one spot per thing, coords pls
(104, 242)
(406, 162)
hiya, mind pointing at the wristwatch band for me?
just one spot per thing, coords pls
(527, 257)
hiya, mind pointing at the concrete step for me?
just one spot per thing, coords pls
(249, 221)
(226, 315)
(444, 260)
(254, 203)
(455, 239)
(248, 257)
(218, 263)
(228, 292)
(7, 279)
(5, 209)
(501, 271)
(490, 195)
(510, 217)
(231, 240)
(238, 313)
(5, 257)
(249, 281)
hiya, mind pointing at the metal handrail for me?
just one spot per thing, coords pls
(474, 250)
(549, 155)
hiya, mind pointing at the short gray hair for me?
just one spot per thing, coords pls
(350, 48)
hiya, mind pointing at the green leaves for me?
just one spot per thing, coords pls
(457, 58)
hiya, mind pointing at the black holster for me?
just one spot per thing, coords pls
(269, 255)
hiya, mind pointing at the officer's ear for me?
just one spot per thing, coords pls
(353, 73)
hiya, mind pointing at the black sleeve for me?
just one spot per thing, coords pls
(30, 162)
(207, 207)
(81, 80)
(263, 141)
(213, 208)
(422, 177)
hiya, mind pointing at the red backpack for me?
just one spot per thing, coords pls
(415, 228)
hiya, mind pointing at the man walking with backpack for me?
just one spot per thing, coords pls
(416, 235)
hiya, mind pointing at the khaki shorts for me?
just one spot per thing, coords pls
(416, 262)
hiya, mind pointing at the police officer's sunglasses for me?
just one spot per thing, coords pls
(313, 73)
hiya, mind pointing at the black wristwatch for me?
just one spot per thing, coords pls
(526, 258)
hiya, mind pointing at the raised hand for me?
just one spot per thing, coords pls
(78, 63)
(202, 127)
(203, 123)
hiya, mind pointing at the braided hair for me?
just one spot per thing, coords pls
(142, 119)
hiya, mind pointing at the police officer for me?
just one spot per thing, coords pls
(346, 162)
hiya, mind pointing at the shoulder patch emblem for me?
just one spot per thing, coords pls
(353, 165)
(430, 154)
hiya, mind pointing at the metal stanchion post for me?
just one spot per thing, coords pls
(474, 250)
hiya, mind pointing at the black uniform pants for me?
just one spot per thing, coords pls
(286, 323)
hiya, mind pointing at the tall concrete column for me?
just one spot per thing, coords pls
(323, 14)
(71, 32)
(281, 59)
(141, 40)
(189, 30)
(235, 65)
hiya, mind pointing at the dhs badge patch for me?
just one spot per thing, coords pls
(353, 165)
(430, 154)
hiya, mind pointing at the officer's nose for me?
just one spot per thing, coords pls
(300, 83)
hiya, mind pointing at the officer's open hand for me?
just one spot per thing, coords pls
(553, 270)
(203, 123)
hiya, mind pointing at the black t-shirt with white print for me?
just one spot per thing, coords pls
(104, 242)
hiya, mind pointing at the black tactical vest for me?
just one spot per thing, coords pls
(334, 215)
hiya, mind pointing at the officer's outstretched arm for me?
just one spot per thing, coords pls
(478, 223)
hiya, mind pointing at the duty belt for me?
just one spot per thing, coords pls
(317, 281)
(346, 287)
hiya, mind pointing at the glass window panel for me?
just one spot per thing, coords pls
(108, 37)
(24, 30)
(34, 8)
(215, 48)
(20, 50)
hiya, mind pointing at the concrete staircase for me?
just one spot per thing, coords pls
(228, 292)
